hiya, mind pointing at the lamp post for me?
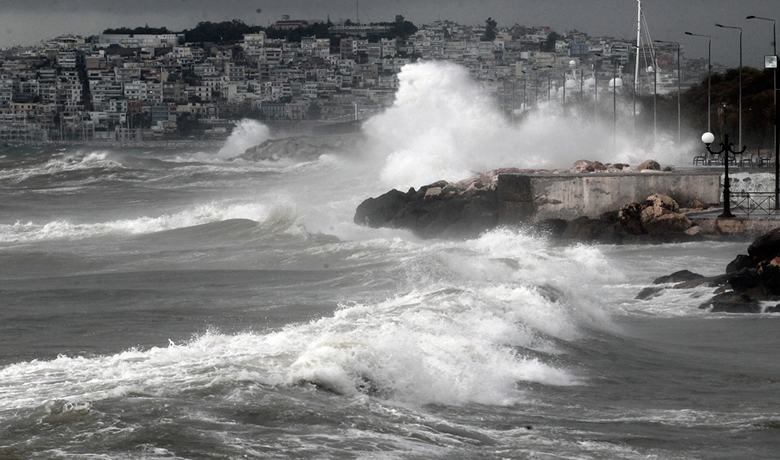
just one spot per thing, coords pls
(725, 148)
(709, 78)
(679, 77)
(596, 89)
(564, 92)
(740, 74)
(777, 113)
(614, 102)
(654, 68)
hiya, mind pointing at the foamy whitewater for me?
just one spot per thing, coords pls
(190, 305)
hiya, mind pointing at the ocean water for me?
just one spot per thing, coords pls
(184, 304)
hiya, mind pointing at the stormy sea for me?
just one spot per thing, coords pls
(190, 304)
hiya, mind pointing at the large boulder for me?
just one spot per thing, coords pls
(678, 277)
(378, 212)
(667, 224)
(630, 217)
(649, 165)
(663, 201)
(765, 247)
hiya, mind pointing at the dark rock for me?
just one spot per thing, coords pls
(435, 210)
(611, 217)
(630, 217)
(667, 224)
(712, 281)
(551, 227)
(769, 272)
(378, 212)
(678, 277)
(744, 280)
(732, 302)
(593, 230)
(740, 262)
(766, 246)
(649, 293)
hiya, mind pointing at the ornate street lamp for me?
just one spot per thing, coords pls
(725, 148)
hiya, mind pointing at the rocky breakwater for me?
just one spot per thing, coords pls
(750, 284)
(442, 209)
(469, 207)
(304, 147)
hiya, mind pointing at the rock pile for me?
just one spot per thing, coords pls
(749, 283)
(658, 219)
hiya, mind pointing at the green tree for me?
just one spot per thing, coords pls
(402, 28)
(226, 32)
(549, 45)
(491, 30)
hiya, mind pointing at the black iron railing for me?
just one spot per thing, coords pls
(761, 203)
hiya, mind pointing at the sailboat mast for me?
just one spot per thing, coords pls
(638, 43)
(636, 61)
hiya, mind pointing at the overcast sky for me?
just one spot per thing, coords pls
(26, 22)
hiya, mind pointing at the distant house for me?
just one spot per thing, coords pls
(138, 40)
(290, 24)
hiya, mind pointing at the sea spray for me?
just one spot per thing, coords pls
(248, 133)
(443, 125)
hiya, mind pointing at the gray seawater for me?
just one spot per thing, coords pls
(173, 304)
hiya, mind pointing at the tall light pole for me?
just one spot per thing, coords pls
(740, 75)
(777, 113)
(614, 102)
(563, 71)
(679, 77)
(596, 89)
(709, 78)
(654, 68)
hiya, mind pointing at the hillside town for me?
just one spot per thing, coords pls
(130, 87)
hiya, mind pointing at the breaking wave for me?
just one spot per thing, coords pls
(27, 232)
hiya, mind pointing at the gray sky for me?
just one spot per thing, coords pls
(25, 22)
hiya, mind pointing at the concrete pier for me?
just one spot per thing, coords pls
(569, 196)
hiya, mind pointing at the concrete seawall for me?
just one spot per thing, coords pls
(569, 196)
